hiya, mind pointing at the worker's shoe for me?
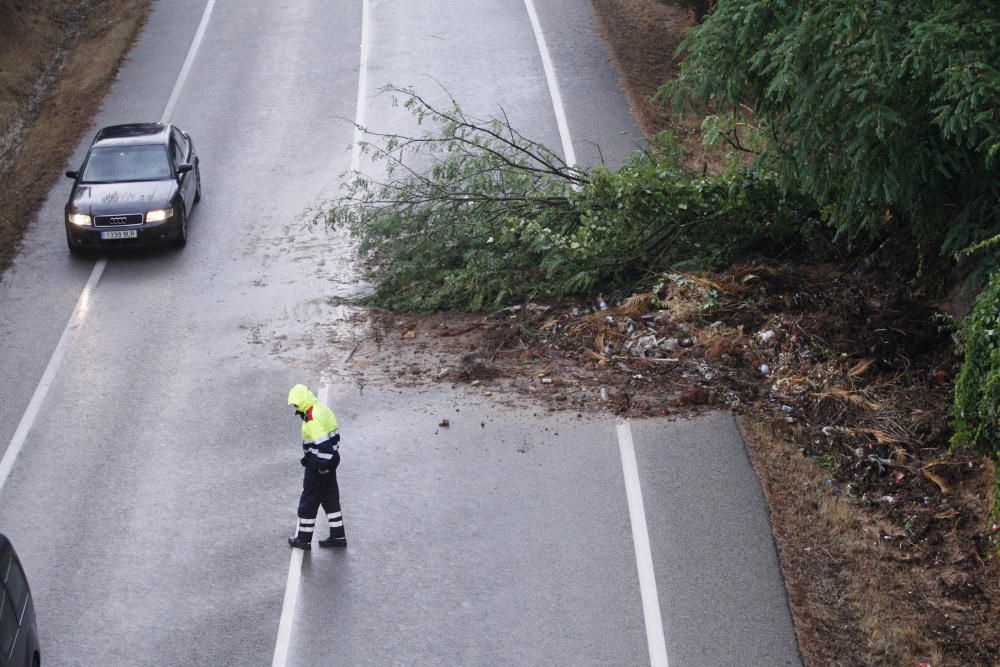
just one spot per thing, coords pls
(300, 542)
(333, 542)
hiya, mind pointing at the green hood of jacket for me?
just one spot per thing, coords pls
(301, 397)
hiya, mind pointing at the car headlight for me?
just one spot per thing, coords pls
(159, 215)
(81, 219)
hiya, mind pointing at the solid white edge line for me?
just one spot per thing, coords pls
(287, 619)
(550, 78)
(186, 67)
(48, 376)
(643, 555)
(359, 110)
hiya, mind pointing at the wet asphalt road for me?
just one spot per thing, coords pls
(155, 488)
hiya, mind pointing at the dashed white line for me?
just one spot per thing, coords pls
(359, 110)
(550, 77)
(643, 556)
(288, 610)
(287, 620)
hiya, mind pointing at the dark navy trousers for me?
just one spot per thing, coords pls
(319, 490)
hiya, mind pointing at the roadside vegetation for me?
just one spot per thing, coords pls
(850, 179)
(886, 115)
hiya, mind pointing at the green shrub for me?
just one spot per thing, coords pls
(976, 412)
(654, 213)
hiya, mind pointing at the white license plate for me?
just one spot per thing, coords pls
(120, 234)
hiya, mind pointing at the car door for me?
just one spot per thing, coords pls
(180, 150)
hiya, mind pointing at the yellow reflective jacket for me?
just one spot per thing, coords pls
(320, 439)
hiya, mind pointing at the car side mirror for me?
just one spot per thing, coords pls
(184, 167)
(72, 174)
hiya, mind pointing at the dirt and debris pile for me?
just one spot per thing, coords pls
(853, 375)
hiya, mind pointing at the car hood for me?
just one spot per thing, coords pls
(119, 198)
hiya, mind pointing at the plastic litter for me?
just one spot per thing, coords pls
(764, 369)
(766, 336)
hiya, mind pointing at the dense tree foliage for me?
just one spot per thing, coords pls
(887, 112)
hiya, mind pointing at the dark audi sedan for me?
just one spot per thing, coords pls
(137, 186)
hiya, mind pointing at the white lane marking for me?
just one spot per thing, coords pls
(284, 639)
(76, 319)
(295, 565)
(643, 555)
(82, 305)
(359, 110)
(288, 610)
(186, 67)
(550, 77)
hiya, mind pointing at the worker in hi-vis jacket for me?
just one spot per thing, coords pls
(320, 445)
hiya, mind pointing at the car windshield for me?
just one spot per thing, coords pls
(126, 163)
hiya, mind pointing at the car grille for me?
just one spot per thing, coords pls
(118, 220)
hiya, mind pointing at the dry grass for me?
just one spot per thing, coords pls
(857, 597)
(89, 38)
(643, 36)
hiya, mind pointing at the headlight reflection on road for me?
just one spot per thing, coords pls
(83, 304)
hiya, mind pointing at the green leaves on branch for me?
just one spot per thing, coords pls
(472, 214)
(442, 229)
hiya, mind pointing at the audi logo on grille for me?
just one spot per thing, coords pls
(118, 220)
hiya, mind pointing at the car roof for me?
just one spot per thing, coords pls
(4, 543)
(132, 134)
